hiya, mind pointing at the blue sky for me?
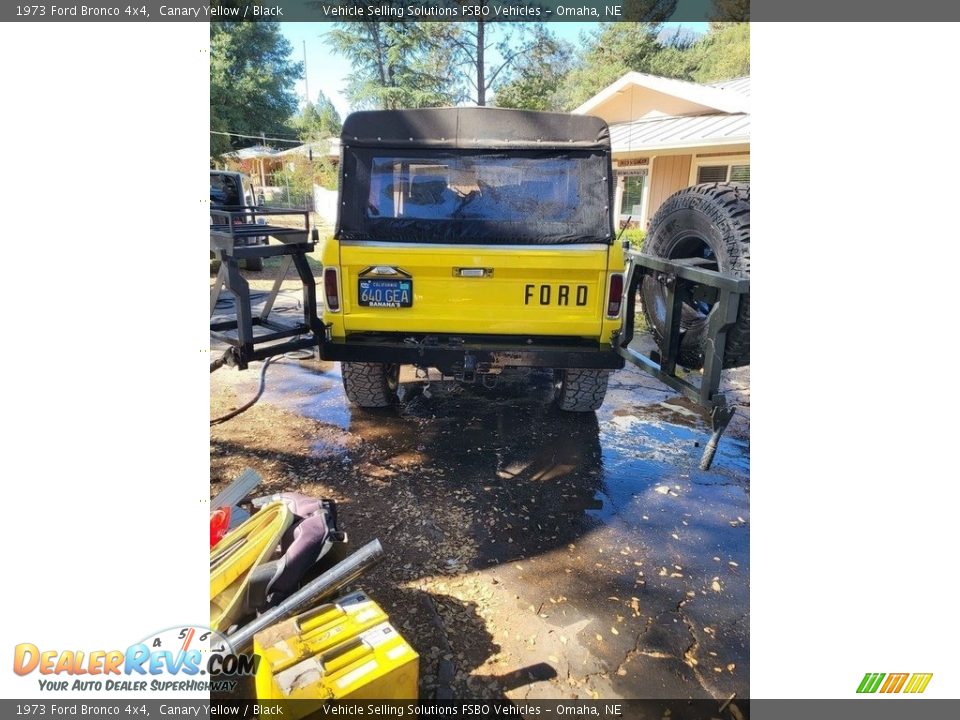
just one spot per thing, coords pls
(328, 71)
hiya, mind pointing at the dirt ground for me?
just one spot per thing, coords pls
(530, 553)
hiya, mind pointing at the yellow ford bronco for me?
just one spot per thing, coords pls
(476, 242)
(473, 241)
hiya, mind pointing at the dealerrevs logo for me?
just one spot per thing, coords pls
(182, 659)
(892, 683)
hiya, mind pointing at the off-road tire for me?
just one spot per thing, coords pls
(254, 263)
(370, 385)
(718, 214)
(582, 390)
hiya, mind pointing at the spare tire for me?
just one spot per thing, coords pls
(709, 221)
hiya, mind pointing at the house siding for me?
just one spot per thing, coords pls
(669, 174)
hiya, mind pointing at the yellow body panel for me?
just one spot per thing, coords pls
(525, 290)
(617, 264)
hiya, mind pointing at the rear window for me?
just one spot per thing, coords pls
(224, 190)
(524, 197)
(488, 188)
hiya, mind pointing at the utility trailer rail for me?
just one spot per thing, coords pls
(294, 241)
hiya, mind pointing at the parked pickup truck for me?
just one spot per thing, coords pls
(227, 192)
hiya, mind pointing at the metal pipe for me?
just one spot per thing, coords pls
(328, 584)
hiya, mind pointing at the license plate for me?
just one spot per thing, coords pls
(386, 293)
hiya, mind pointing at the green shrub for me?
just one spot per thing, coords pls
(635, 236)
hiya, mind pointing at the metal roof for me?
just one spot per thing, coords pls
(254, 152)
(323, 148)
(738, 85)
(658, 133)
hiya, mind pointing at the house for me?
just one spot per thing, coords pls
(258, 162)
(669, 134)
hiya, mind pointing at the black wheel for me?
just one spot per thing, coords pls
(254, 263)
(582, 390)
(370, 385)
(709, 221)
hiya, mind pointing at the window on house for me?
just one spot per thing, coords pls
(740, 173)
(723, 173)
(631, 204)
(712, 173)
(632, 186)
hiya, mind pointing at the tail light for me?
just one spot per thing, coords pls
(330, 290)
(615, 296)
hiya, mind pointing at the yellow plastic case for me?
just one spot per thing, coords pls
(378, 664)
(313, 632)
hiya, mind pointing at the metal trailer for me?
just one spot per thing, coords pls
(229, 230)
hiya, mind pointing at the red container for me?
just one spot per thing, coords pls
(219, 524)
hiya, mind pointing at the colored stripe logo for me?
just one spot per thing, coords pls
(894, 683)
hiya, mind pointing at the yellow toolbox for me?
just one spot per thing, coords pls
(377, 664)
(313, 632)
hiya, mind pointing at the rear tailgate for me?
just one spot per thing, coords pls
(557, 290)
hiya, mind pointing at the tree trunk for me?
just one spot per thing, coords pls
(481, 80)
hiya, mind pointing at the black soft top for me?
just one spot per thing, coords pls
(474, 127)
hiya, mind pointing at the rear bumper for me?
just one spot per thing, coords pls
(472, 353)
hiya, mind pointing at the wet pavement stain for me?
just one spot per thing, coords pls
(533, 553)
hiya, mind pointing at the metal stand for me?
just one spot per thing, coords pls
(228, 226)
(685, 281)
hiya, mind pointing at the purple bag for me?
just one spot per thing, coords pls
(309, 538)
